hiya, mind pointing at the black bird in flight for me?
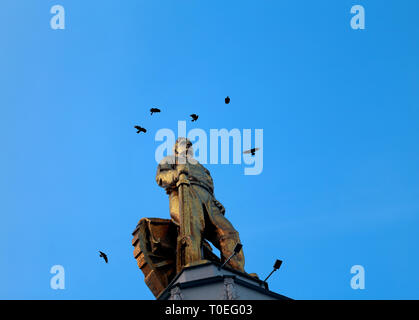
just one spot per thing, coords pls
(104, 256)
(194, 117)
(140, 129)
(251, 151)
(227, 100)
(154, 110)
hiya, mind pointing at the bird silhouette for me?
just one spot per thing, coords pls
(251, 151)
(227, 100)
(140, 129)
(194, 117)
(154, 110)
(104, 256)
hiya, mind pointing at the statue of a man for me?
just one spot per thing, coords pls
(207, 213)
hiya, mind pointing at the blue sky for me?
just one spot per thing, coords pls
(339, 110)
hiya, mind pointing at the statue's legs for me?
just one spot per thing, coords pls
(225, 240)
(208, 222)
(222, 235)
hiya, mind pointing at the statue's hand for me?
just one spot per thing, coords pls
(182, 175)
(182, 169)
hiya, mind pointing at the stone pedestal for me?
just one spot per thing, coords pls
(209, 282)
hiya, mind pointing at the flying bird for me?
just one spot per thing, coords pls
(251, 151)
(154, 110)
(194, 117)
(104, 256)
(140, 129)
(227, 100)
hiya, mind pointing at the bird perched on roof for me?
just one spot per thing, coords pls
(227, 100)
(251, 151)
(154, 110)
(194, 117)
(104, 256)
(140, 129)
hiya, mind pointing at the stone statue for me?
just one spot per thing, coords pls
(194, 208)
(163, 247)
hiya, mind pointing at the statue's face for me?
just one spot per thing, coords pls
(184, 149)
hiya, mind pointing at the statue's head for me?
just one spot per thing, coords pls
(183, 147)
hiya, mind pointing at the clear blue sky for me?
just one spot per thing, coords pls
(340, 114)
